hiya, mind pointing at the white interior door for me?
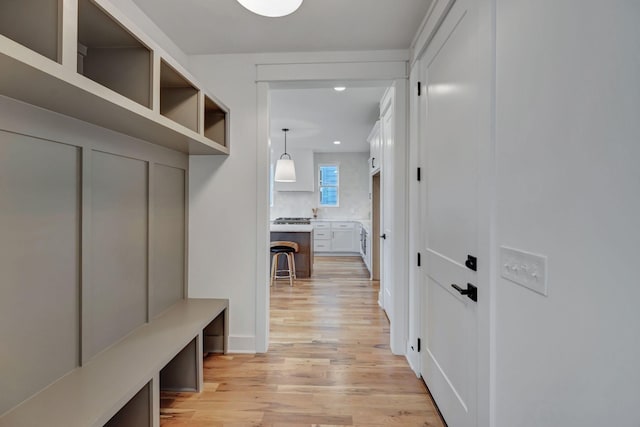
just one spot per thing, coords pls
(449, 144)
(386, 239)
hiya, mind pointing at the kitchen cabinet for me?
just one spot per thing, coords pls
(305, 171)
(335, 237)
(72, 63)
(342, 240)
(322, 237)
(375, 152)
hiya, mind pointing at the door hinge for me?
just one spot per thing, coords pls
(419, 345)
(419, 174)
(419, 89)
(419, 259)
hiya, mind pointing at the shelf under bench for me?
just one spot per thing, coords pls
(128, 374)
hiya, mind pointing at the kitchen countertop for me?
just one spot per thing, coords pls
(303, 228)
(294, 228)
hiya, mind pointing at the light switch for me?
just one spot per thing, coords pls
(524, 268)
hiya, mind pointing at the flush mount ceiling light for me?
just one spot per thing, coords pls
(339, 88)
(285, 169)
(337, 142)
(271, 8)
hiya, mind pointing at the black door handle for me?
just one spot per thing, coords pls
(471, 292)
(384, 236)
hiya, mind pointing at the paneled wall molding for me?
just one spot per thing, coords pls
(128, 252)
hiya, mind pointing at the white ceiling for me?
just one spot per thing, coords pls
(224, 26)
(315, 113)
(318, 116)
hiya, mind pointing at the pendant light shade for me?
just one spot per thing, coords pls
(285, 168)
(271, 8)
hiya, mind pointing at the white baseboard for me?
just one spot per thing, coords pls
(242, 344)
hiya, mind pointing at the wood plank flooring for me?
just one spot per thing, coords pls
(328, 364)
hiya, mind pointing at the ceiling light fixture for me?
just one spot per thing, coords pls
(285, 169)
(271, 8)
(339, 88)
(337, 142)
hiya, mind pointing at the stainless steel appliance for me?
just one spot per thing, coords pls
(292, 220)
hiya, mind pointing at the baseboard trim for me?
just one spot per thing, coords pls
(242, 344)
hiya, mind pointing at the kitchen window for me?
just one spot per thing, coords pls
(329, 185)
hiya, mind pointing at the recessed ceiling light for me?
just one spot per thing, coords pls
(272, 8)
(339, 88)
(337, 142)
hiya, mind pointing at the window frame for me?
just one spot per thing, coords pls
(336, 186)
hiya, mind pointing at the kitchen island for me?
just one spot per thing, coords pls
(302, 234)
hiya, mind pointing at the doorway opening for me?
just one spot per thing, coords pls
(331, 199)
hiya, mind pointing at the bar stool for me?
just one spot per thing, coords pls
(288, 249)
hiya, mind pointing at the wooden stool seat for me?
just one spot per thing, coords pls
(288, 249)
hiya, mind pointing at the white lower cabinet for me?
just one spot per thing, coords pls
(338, 236)
(342, 240)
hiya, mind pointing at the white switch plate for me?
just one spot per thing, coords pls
(524, 268)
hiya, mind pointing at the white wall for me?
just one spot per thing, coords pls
(354, 191)
(568, 146)
(222, 192)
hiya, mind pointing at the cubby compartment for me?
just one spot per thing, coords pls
(215, 122)
(178, 98)
(181, 373)
(111, 56)
(32, 23)
(213, 336)
(137, 412)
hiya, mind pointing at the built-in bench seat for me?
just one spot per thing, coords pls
(121, 386)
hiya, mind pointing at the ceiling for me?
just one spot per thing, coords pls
(315, 113)
(318, 116)
(224, 26)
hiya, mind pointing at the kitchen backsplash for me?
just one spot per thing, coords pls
(354, 191)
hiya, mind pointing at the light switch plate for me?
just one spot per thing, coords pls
(524, 268)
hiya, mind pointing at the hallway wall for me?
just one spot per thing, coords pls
(567, 147)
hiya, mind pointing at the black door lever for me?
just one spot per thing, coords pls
(471, 292)
(384, 236)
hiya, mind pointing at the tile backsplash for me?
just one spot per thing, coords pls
(354, 191)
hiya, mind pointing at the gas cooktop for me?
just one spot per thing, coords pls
(289, 220)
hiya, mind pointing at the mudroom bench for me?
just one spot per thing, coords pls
(121, 386)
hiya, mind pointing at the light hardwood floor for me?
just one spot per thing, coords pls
(328, 364)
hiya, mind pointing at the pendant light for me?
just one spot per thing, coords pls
(285, 169)
(271, 8)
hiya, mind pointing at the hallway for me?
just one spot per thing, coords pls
(329, 363)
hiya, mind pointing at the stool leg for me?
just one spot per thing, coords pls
(293, 258)
(274, 266)
(289, 265)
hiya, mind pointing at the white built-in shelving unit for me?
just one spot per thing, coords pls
(81, 59)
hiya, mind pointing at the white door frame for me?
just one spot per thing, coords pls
(394, 72)
(487, 269)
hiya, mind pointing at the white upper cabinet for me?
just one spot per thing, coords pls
(78, 58)
(375, 156)
(305, 173)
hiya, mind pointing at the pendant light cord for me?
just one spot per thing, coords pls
(285, 130)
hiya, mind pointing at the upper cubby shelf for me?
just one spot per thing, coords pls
(110, 55)
(178, 98)
(73, 57)
(38, 30)
(215, 122)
